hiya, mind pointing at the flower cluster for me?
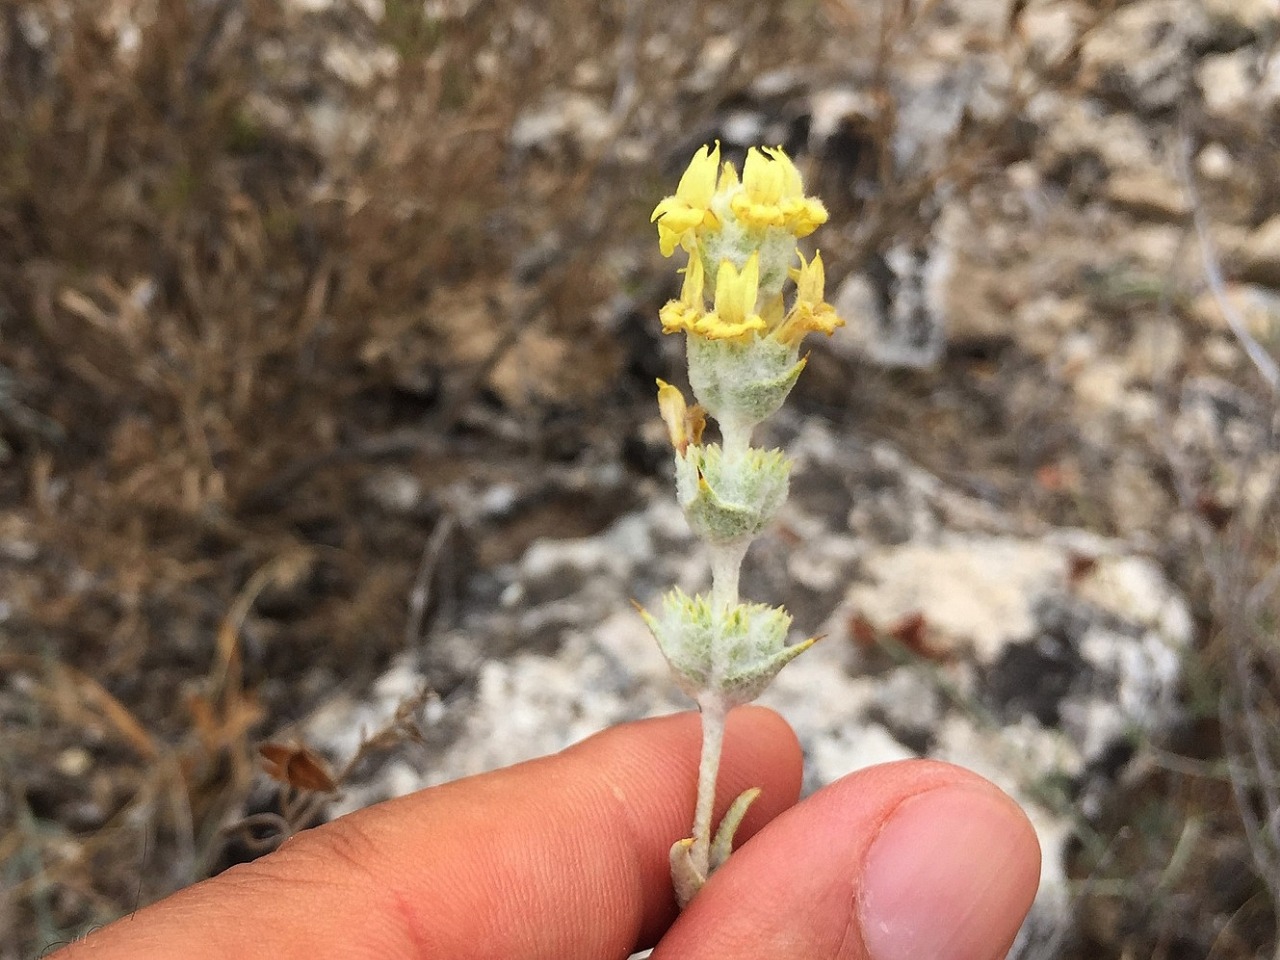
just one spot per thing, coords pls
(740, 235)
(743, 348)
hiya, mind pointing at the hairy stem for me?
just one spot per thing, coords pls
(735, 438)
(713, 715)
(726, 566)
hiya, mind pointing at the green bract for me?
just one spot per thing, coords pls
(737, 650)
(742, 381)
(725, 500)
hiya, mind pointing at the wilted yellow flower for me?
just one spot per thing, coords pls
(684, 423)
(772, 195)
(810, 311)
(680, 215)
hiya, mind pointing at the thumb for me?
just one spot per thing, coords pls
(898, 862)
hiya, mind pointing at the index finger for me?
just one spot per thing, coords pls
(564, 857)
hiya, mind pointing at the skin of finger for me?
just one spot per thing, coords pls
(564, 857)
(792, 892)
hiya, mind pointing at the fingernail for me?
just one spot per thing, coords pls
(948, 878)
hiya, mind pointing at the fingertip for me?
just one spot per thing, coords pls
(967, 897)
(761, 750)
(767, 727)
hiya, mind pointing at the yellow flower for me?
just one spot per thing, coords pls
(735, 314)
(679, 216)
(683, 314)
(772, 195)
(810, 311)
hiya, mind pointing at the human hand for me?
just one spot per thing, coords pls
(565, 858)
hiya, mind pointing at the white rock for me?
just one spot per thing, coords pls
(1156, 350)
(848, 749)
(1134, 589)
(905, 325)
(1151, 193)
(1227, 83)
(1215, 162)
(975, 591)
(712, 62)
(582, 119)
(1223, 353)
(1100, 387)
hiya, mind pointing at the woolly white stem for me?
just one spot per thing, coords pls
(735, 438)
(713, 716)
(726, 567)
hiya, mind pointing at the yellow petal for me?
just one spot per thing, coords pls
(772, 312)
(762, 178)
(698, 183)
(695, 422)
(735, 314)
(812, 281)
(756, 215)
(684, 313)
(689, 208)
(728, 178)
(736, 291)
(803, 215)
(677, 215)
(676, 316)
(792, 186)
(714, 327)
(694, 282)
(808, 318)
(668, 240)
(810, 312)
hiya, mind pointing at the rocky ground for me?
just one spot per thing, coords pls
(327, 408)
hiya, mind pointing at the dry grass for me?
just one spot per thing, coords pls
(238, 277)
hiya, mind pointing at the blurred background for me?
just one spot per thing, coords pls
(329, 455)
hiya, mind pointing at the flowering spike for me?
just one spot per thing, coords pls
(744, 358)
